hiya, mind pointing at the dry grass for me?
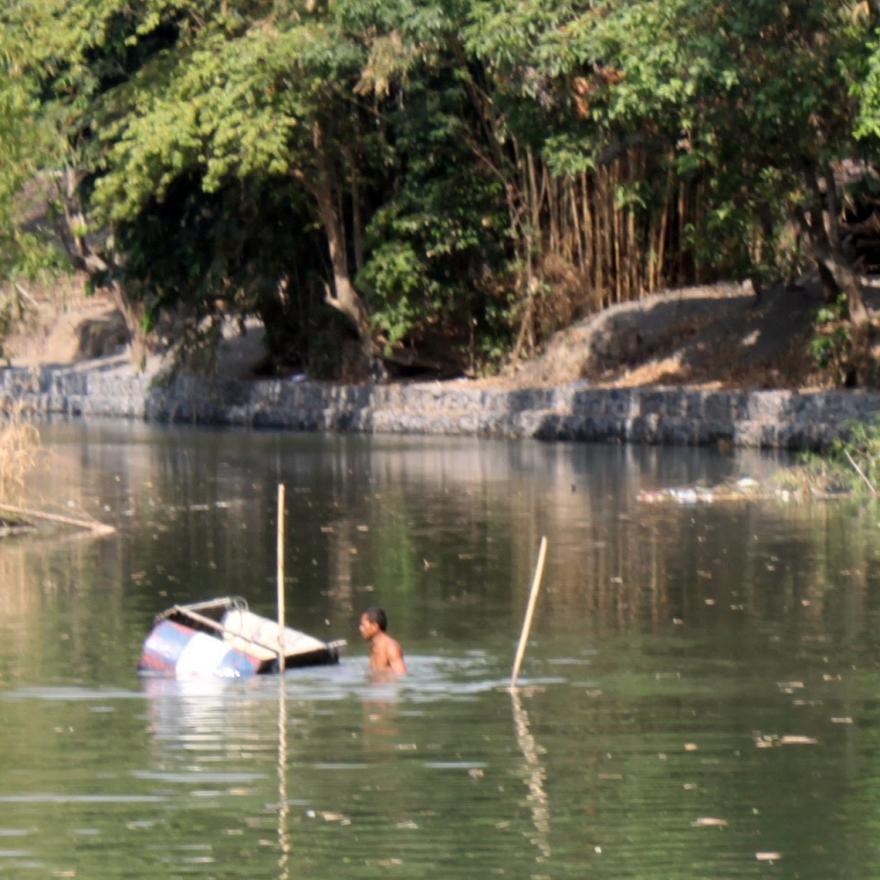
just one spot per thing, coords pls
(19, 449)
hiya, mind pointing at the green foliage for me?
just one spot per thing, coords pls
(747, 100)
(215, 144)
(22, 253)
(859, 452)
(849, 467)
(831, 346)
(434, 244)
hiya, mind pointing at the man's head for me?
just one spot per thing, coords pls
(373, 620)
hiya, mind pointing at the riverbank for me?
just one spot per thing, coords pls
(689, 367)
(574, 411)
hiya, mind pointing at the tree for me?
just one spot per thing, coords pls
(22, 253)
(279, 96)
(752, 102)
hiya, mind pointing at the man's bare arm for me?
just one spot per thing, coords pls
(395, 658)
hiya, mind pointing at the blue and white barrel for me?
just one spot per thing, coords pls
(173, 649)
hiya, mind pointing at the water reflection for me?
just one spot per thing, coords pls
(284, 846)
(674, 650)
(535, 775)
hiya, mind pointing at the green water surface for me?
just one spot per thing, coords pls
(698, 700)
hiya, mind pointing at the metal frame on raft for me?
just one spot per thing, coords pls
(221, 637)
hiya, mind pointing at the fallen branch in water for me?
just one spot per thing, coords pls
(97, 528)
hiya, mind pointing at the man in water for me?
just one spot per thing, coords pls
(385, 652)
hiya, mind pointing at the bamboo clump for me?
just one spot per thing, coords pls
(587, 240)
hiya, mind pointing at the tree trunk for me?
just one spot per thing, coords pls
(837, 273)
(342, 296)
(97, 266)
(846, 281)
(357, 222)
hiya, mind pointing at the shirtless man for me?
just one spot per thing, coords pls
(385, 652)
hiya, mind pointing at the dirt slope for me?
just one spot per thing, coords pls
(713, 336)
(63, 326)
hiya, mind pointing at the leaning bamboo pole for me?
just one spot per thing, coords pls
(530, 611)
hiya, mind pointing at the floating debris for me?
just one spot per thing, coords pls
(745, 489)
(766, 741)
(709, 822)
(788, 687)
(768, 856)
(327, 816)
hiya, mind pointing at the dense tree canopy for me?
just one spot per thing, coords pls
(436, 184)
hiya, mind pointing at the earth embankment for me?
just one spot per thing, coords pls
(701, 366)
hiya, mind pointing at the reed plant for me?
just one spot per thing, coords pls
(19, 448)
(850, 466)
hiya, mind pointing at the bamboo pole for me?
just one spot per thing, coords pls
(280, 561)
(615, 227)
(530, 611)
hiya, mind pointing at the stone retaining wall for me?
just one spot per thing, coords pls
(777, 419)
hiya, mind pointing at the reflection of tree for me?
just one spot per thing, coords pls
(437, 526)
(536, 776)
(47, 592)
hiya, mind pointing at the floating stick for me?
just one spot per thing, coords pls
(530, 611)
(92, 525)
(280, 562)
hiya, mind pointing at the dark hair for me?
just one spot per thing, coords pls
(377, 615)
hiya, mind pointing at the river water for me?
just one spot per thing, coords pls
(699, 696)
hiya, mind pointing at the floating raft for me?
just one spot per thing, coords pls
(221, 637)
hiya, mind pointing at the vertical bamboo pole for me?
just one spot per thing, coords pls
(577, 247)
(615, 226)
(280, 563)
(633, 256)
(660, 276)
(607, 245)
(530, 611)
(682, 222)
(589, 242)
